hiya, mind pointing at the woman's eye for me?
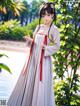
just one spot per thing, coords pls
(45, 15)
(48, 14)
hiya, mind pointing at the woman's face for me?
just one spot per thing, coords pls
(47, 18)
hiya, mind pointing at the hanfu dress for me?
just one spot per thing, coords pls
(35, 86)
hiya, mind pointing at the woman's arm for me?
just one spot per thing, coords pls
(55, 43)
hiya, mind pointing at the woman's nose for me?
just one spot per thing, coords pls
(46, 17)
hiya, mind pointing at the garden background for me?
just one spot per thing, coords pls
(18, 18)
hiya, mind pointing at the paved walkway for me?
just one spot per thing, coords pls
(13, 46)
(18, 53)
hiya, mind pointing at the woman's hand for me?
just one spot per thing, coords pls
(28, 40)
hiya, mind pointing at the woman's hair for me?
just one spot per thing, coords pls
(48, 7)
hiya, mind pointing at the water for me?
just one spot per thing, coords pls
(15, 62)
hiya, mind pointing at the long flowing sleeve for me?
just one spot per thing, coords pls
(54, 42)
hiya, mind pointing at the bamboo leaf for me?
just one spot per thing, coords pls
(5, 67)
(1, 55)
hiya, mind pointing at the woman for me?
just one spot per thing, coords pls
(34, 86)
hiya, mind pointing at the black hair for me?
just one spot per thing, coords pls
(48, 7)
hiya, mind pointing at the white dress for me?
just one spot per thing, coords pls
(35, 86)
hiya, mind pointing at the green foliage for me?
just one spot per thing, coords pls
(11, 30)
(3, 66)
(11, 5)
(62, 94)
(31, 27)
(1, 55)
(67, 59)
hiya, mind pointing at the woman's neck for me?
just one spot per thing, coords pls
(47, 25)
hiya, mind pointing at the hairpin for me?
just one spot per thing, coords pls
(52, 6)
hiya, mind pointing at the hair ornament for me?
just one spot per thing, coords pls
(52, 6)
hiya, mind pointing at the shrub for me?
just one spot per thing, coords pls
(11, 30)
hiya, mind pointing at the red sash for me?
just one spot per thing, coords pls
(41, 58)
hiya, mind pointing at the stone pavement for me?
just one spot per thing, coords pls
(13, 45)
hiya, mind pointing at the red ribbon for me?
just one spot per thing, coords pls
(41, 59)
